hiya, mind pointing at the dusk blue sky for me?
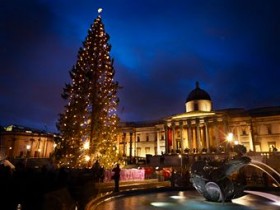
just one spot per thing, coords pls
(160, 47)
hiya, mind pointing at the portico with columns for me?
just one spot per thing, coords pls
(195, 134)
(197, 130)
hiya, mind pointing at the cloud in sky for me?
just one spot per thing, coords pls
(160, 50)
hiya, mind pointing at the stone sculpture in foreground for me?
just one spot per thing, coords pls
(211, 177)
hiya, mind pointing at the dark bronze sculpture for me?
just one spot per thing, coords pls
(211, 177)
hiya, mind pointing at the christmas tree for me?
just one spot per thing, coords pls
(88, 125)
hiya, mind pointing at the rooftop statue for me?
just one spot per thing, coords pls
(211, 177)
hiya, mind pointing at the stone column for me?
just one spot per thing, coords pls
(181, 133)
(190, 140)
(251, 142)
(174, 145)
(130, 147)
(216, 134)
(166, 138)
(207, 137)
(198, 140)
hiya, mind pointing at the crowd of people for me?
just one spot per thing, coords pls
(27, 186)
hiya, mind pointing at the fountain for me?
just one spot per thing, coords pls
(182, 200)
(211, 177)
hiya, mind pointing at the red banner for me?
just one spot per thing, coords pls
(169, 137)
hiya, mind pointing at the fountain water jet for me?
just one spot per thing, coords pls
(269, 196)
(270, 172)
(266, 169)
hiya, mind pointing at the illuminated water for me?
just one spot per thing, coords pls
(266, 169)
(183, 200)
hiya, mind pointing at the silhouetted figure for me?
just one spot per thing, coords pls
(95, 170)
(162, 159)
(101, 174)
(172, 178)
(116, 177)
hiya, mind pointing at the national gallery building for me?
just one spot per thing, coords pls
(196, 131)
(203, 130)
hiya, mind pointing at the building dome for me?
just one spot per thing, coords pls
(198, 94)
(198, 100)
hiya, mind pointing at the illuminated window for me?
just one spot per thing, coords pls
(138, 151)
(147, 150)
(244, 133)
(258, 147)
(268, 129)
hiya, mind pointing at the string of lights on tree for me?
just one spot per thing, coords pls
(90, 115)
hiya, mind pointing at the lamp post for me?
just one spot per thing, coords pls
(229, 139)
(27, 150)
(27, 153)
(39, 152)
(181, 163)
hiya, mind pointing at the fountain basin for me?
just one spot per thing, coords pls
(180, 200)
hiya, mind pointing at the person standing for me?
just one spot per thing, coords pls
(101, 174)
(116, 177)
(95, 170)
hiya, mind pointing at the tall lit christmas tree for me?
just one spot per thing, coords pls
(88, 125)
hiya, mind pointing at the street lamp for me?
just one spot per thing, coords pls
(181, 161)
(27, 149)
(39, 152)
(229, 139)
(27, 153)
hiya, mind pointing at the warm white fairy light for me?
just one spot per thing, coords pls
(86, 145)
(96, 77)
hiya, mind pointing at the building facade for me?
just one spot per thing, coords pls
(22, 142)
(138, 139)
(202, 130)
